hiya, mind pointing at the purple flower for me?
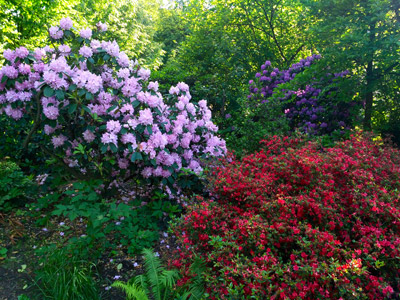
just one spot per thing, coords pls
(88, 136)
(145, 117)
(21, 52)
(101, 27)
(86, 33)
(113, 126)
(55, 32)
(109, 138)
(58, 140)
(66, 23)
(85, 51)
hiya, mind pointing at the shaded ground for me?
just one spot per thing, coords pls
(21, 236)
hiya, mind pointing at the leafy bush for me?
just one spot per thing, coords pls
(134, 223)
(244, 128)
(313, 99)
(97, 113)
(299, 221)
(15, 186)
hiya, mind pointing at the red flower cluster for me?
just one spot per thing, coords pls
(298, 221)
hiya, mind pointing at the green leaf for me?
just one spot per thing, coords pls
(60, 95)
(48, 92)
(81, 92)
(135, 103)
(89, 96)
(136, 156)
(72, 87)
(72, 108)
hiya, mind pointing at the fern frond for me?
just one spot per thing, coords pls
(141, 281)
(153, 269)
(132, 291)
(196, 288)
(168, 278)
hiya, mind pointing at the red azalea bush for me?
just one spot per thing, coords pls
(297, 221)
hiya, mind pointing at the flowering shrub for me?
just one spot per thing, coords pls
(99, 114)
(313, 99)
(296, 221)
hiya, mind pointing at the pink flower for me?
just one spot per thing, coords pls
(21, 52)
(145, 117)
(58, 140)
(55, 32)
(88, 136)
(9, 55)
(113, 126)
(51, 112)
(109, 138)
(101, 27)
(66, 23)
(86, 33)
(85, 51)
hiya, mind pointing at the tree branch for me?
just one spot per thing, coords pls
(36, 122)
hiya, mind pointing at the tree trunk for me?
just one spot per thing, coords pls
(369, 97)
(369, 88)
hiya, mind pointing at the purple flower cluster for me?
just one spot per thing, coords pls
(103, 104)
(308, 106)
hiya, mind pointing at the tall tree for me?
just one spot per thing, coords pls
(362, 36)
(228, 40)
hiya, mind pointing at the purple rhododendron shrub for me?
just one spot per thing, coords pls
(99, 114)
(314, 100)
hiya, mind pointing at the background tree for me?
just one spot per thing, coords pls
(226, 41)
(362, 36)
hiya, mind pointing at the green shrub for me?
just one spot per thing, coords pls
(15, 186)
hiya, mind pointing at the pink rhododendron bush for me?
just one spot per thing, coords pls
(98, 113)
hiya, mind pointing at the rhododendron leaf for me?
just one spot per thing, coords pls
(60, 95)
(113, 148)
(87, 109)
(72, 108)
(135, 103)
(89, 96)
(112, 108)
(153, 162)
(115, 92)
(158, 112)
(149, 129)
(4, 79)
(48, 92)
(106, 57)
(140, 128)
(81, 92)
(103, 149)
(72, 87)
(136, 156)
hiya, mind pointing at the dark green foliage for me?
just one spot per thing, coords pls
(244, 130)
(64, 274)
(156, 283)
(15, 186)
(135, 224)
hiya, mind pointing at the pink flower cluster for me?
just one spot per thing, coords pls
(104, 103)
